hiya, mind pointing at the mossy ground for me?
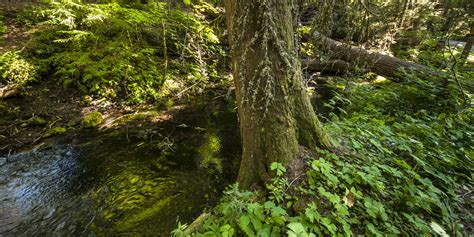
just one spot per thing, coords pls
(48, 101)
(406, 160)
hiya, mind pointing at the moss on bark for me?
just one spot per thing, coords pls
(274, 110)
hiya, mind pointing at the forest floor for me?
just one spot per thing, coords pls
(39, 108)
(45, 109)
(26, 116)
(17, 35)
(42, 109)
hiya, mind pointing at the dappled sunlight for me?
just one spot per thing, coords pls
(118, 180)
(380, 79)
(208, 153)
(225, 118)
(16, 70)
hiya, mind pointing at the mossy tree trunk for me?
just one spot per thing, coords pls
(275, 113)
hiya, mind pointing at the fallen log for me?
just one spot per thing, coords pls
(378, 63)
(332, 66)
(197, 223)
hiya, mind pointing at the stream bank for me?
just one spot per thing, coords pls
(138, 175)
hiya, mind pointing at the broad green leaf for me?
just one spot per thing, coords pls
(280, 169)
(244, 222)
(438, 229)
(187, 2)
(296, 229)
(227, 231)
(329, 226)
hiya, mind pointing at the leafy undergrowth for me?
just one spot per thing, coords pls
(126, 51)
(405, 168)
(3, 27)
(15, 69)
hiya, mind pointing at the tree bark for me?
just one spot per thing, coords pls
(275, 113)
(332, 66)
(468, 47)
(378, 63)
(402, 14)
(449, 18)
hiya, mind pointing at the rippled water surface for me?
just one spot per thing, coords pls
(123, 181)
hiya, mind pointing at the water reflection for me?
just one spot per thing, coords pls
(134, 182)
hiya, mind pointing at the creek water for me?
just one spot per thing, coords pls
(130, 180)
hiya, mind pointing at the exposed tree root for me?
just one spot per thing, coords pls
(9, 91)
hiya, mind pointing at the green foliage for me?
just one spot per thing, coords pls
(405, 160)
(413, 150)
(238, 214)
(125, 50)
(110, 71)
(15, 69)
(431, 52)
(54, 131)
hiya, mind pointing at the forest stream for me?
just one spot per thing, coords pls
(119, 118)
(141, 180)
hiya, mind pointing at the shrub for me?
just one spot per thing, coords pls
(15, 69)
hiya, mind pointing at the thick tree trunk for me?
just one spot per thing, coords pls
(275, 113)
(378, 63)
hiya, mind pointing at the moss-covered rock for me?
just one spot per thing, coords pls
(54, 131)
(36, 121)
(91, 120)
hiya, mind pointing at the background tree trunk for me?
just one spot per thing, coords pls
(275, 113)
(468, 47)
